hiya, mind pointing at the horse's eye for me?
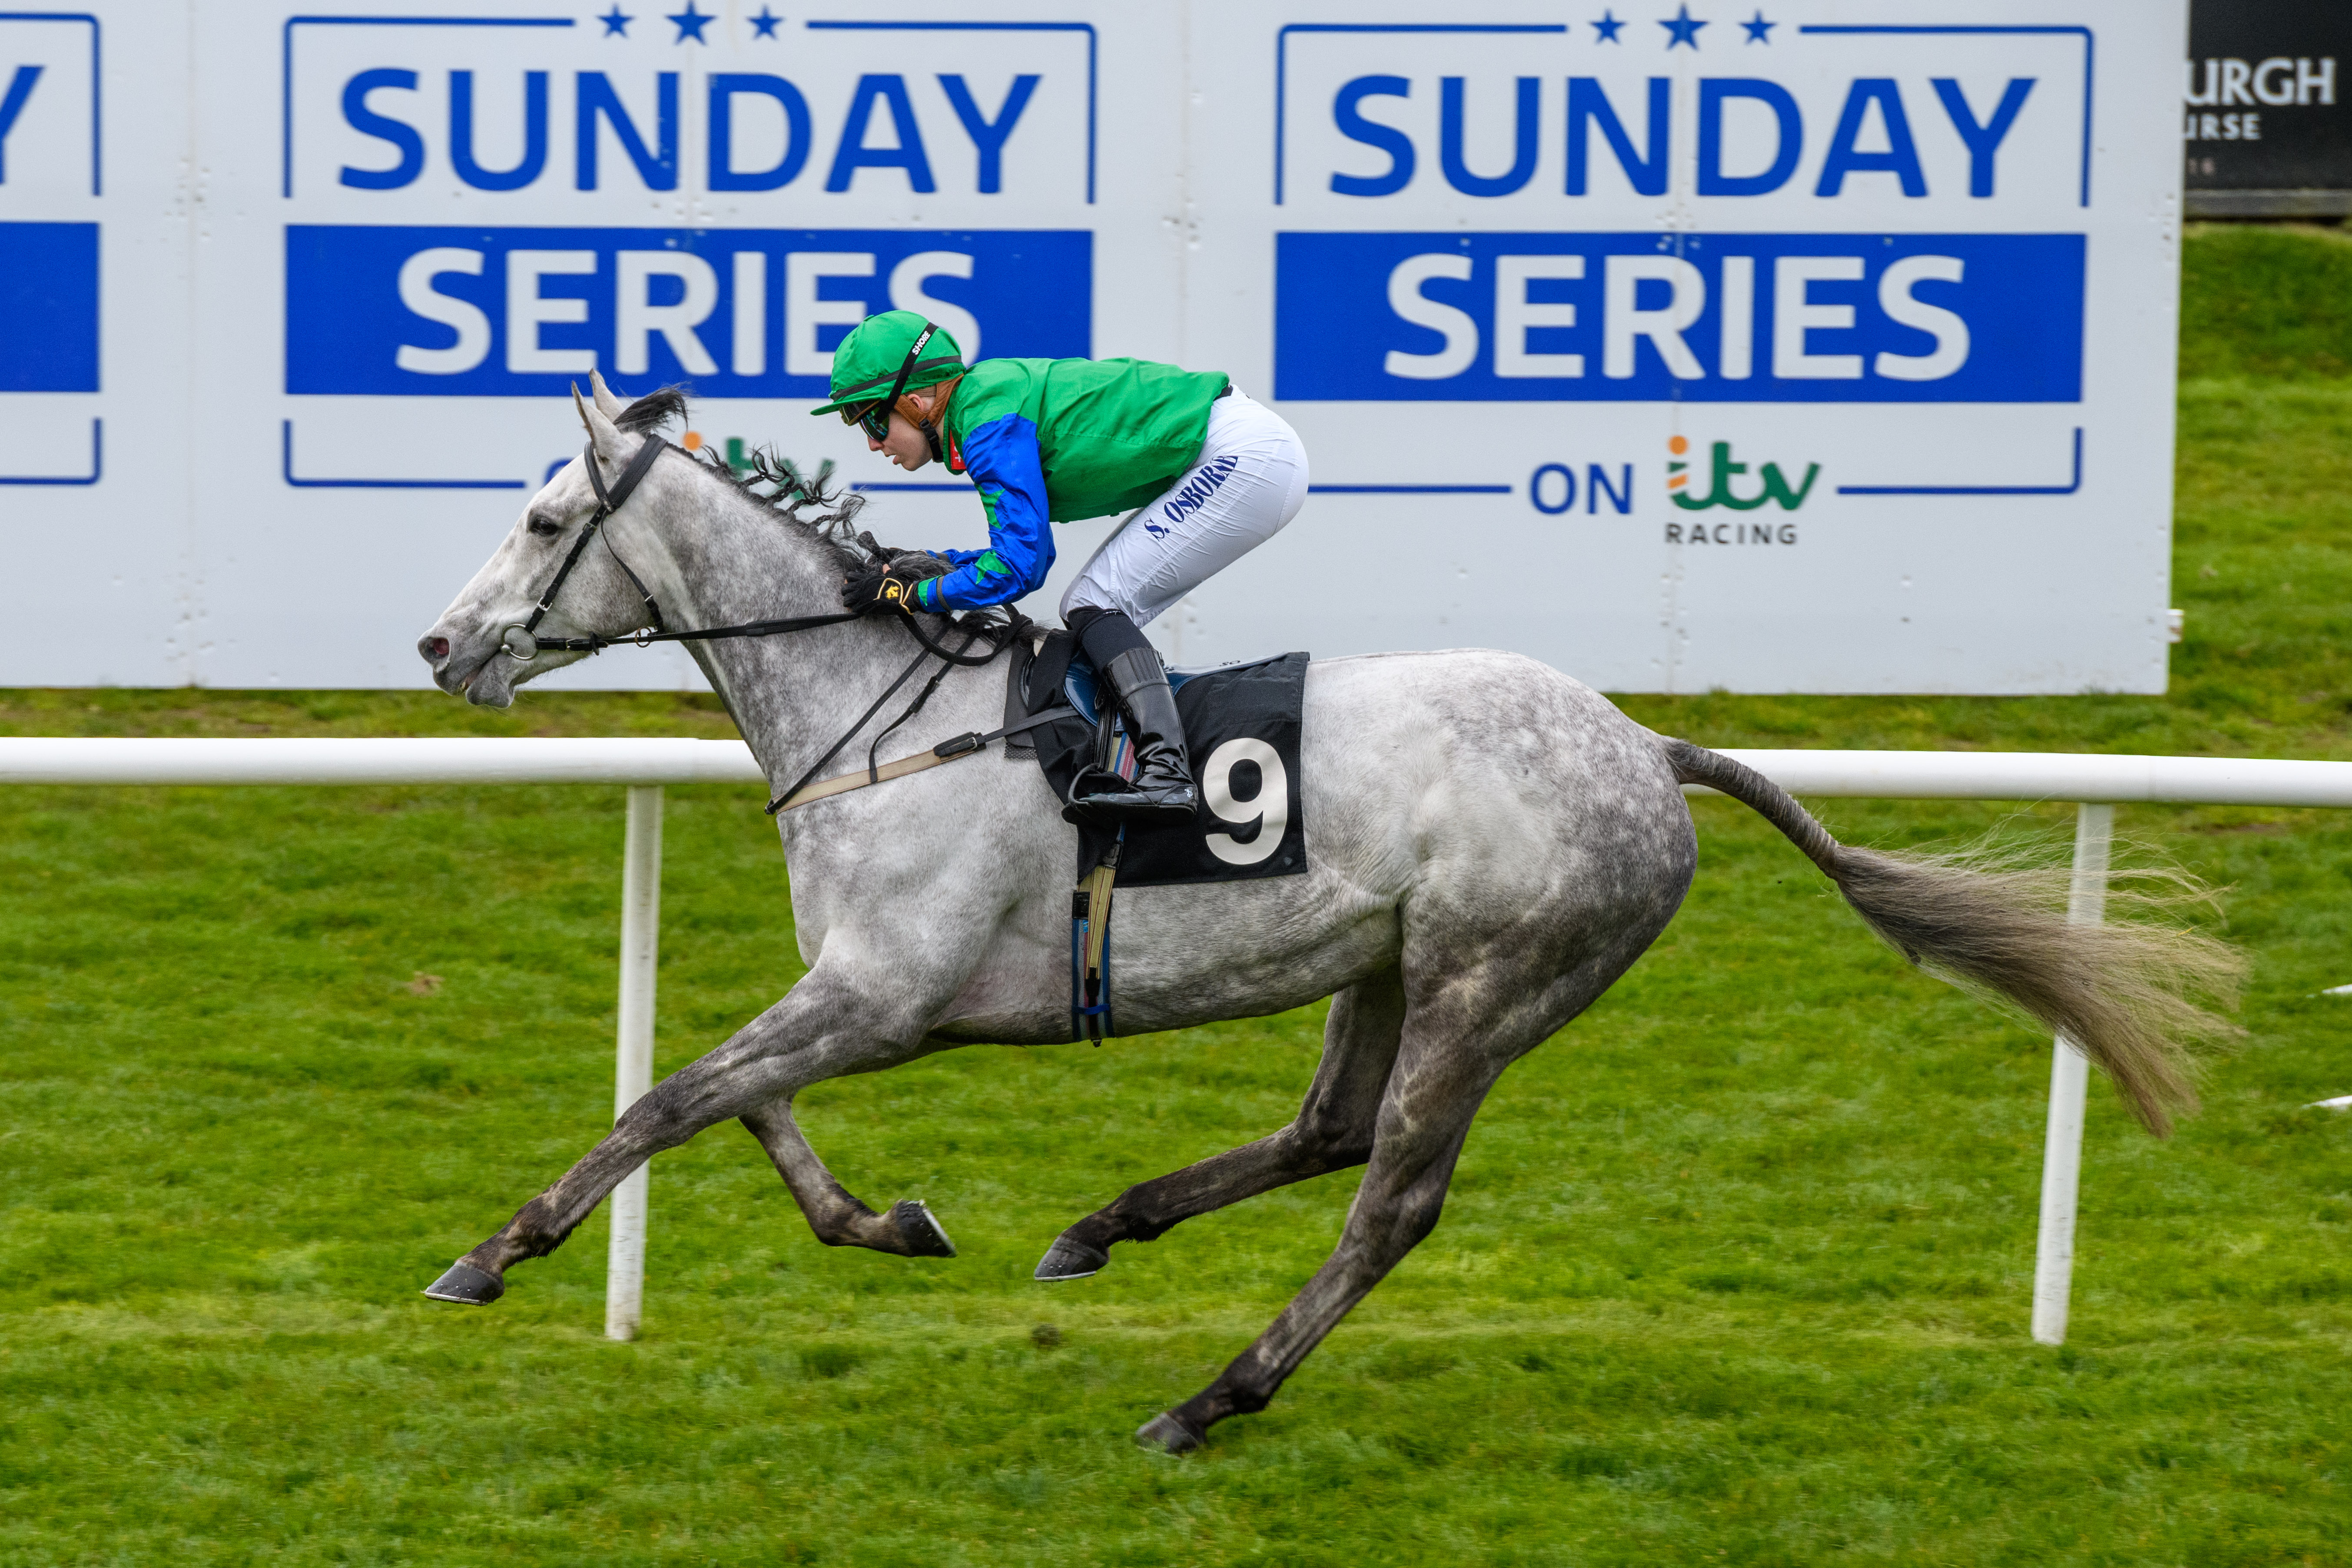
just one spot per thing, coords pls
(546, 528)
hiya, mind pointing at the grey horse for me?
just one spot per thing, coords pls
(1489, 844)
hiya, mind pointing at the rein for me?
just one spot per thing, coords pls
(522, 643)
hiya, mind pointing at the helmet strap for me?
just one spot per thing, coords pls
(899, 389)
(907, 367)
(928, 424)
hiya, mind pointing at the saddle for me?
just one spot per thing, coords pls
(1242, 723)
(1081, 683)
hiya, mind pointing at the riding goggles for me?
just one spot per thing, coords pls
(874, 417)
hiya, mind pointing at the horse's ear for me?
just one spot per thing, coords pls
(602, 434)
(607, 405)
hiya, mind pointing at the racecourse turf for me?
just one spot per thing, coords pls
(1734, 1271)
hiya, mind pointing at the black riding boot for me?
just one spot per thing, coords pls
(1162, 789)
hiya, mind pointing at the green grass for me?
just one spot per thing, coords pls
(2266, 300)
(1734, 1271)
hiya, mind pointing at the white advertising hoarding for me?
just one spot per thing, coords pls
(1827, 348)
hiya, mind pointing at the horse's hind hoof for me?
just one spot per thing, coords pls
(1168, 1434)
(468, 1286)
(1068, 1259)
(920, 1229)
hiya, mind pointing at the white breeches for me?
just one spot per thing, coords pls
(1250, 480)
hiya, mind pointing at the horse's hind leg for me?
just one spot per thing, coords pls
(1461, 1030)
(838, 1219)
(1332, 1131)
(1422, 1126)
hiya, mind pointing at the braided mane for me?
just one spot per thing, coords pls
(805, 500)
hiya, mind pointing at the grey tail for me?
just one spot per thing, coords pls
(2121, 992)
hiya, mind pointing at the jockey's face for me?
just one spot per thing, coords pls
(905, 445)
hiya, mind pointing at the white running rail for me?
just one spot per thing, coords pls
(2096, 783)
(1884, 775)
(52, 760)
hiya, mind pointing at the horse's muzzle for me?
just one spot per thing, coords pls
(454, 672)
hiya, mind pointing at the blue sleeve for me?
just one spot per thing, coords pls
(1002, 458)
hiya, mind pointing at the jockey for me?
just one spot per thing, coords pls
(1214, 473)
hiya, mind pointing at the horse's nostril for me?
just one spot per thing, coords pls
(438, 647)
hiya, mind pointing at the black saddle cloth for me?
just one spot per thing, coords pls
(1241, 727)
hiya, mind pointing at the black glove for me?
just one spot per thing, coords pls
(872, 589)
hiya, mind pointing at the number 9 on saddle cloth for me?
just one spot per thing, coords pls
(1243, 720)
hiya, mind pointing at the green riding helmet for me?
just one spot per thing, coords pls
(875, 355)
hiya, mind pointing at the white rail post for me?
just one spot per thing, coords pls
(633, 1070)
(2070, 1071)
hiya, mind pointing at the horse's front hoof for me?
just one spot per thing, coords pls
(920, 1229)
(1168, 1434)
(1068, 1259)
(468, 1286)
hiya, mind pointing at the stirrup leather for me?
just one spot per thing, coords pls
(1090, 949)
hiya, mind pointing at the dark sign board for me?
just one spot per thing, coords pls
(2267, 127)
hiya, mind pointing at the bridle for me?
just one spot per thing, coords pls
(524, 643)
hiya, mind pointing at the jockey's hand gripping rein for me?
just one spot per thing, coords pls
(873, 589)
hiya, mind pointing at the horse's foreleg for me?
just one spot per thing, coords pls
(835, 1214)
(1332, 1131)
(823, 1028)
